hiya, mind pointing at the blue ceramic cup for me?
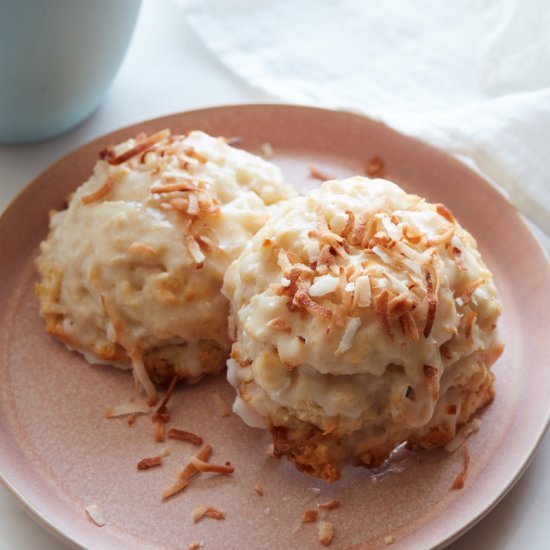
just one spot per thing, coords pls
(57, 59)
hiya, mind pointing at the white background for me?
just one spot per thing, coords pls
(167, 70)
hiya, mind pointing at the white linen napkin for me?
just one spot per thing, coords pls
(469, 76)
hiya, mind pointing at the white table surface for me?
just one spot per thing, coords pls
(167, 69)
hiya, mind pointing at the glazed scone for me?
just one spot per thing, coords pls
(131, 271)
(363, 317)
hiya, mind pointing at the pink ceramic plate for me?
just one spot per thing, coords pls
(59, 453)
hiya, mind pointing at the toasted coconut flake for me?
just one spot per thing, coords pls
(195, 251)
(348, 228)
(193, 205)
(223, 408)
(383, 255)
(209, 204)
(283, 261)
(442, 210)
(457, 254)
(162, 411)
(95, 514)
(195, 546)
(323, 285)
(179, 186)
(140, 146)
(142, 248)
(198, 513)
(432, 304)
(127, 409)
(326, 532)
(314, 172)
(356, 236)
(142, 376)
(469, 292)
(258, 489)
(362, 296)
(410, 324)
(214, 513)
(279, 324)
(413, 266)
(207, 511)
(375, 168)
(400, 304)
(396, 283)
(463, 434)
(310, 516)
(194, 155)
(203, 466)
(182, 435)
(175, 488)
(409, 252)
(346, 341)
(187, 473)
(381, 306)
(392, 230)
(206, 245)
(159, 429)
(470, 319)
(302, 299)
(101, 193)
(151, 462)
(330, 505)
(370, 230)
(267, 150)
(442, 238)
(458, 483)
(389, 539)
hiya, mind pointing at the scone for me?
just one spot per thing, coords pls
(363, 317)
(131, 271)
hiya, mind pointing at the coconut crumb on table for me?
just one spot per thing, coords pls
(127, 409)
(375, 168)
(159, 429)
(183, 435)
(314, 172)
(203, 466)
(150, 462)
(267, 150)
(330, 505)
(310, 516)
(258, 489)
(389, 539)
(326, 532)
(95, 514)
(460, 479)
(207, 511)
(186, 474)
(195, 546)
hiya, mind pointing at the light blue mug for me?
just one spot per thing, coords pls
(57, 59)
